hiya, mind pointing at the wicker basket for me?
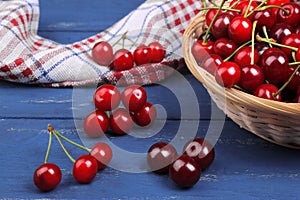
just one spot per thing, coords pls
(277, 122)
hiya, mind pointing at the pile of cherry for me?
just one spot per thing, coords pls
(253, 46)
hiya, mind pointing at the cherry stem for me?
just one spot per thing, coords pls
(72, 142)
(273, 6)
(257, 8)
(235, 3)
(64, 149)
(264, 28)
(226, 9)
(48, 148)
(271, 41)
(248, 8)
(212, 22)
(204, 3)
(290, 79)
(241, 46)
(252, 42)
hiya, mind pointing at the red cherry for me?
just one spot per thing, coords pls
(201, 151)
(292, 40)
(85, 169)
(210, 15)
(121, 121)
(243, 6)
(134, 97)
(267, 91)
(228, 74)
(224, 47)
(96, 124)
(264, 18)
(201, 50)
(219, 28)
(102, 53)
(295, 82)
(146, 115)
(211, 63)
(240, 29)
(142, 55)
(107, 97)
(280, 30)
(103, 153)
(123, 60)
(158, 52)
(290, 15)
(244, 55)
(252, 76)
(297, 98)
(47, 176)
(160, 156)
(185, 171)
(276, 3)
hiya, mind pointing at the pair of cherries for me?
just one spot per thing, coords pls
(185, 169)
(110, 113)
(253, 46)
(48, 175)
(123, 59)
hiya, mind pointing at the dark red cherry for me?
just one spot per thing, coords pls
(243, 6)
(107, 97)
(96, 123)
(252, 76)
(123, 60)
(185, 171)
(47, 176)
(292, 40)
(261, 47)
(295, 82)
(85, 169)
(134, 97)
(290, 15)
(158, 52)
(120, 121)
(103, 153)
(224, 47)
(240, 29)
(228, 74)
(297, 98)
(201, 151)
(244, 55)
(160, 156)
(210, 15)
(211, 63)
(146, 115)
(275, 66)
(102, 53)
(276, 3)
(220, 26)
(265, 18)
(280, 30)
(267, 91)
(201, 50)
(142, 55)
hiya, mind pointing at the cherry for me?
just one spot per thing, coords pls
(275, 66)
(146, 115)
(224, 47)
(158, 52)
(47, 176)
(103, 153)
(261, 47)
(134, 97)
(243, 56)
(160, 156)
(290, 15)
(210, 15)
(201, 151)
(297, 98)
(292, 40)
(185, 171)
(121, 121)
(295, 82)
(123, 60)
(96, 123)
(280, 30)
(267, 91)
(220, 26)
(201, 50)
(243, 6)
(107, 97)
(251, 77)
(102, 53)
(265, 18)
(85, 169)
(211, 63)
(240, 29)
(142, 55)
(228, 74)
(276, 3)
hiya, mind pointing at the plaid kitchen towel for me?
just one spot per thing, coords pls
(28, 58)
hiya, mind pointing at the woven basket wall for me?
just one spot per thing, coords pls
(277, 122)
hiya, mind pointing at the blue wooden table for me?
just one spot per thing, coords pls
(245, 167)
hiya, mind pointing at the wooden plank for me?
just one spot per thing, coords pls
(245, 167)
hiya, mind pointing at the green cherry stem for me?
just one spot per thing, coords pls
(212, 22)
(252, 42)
(225, 9)
(241, 46)
(290, 79)
(49, 147)
(64, 149)
(264, 29)
(273, 6)
(257, 8)
(247, 10)
(271, 41)
(71, 142)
